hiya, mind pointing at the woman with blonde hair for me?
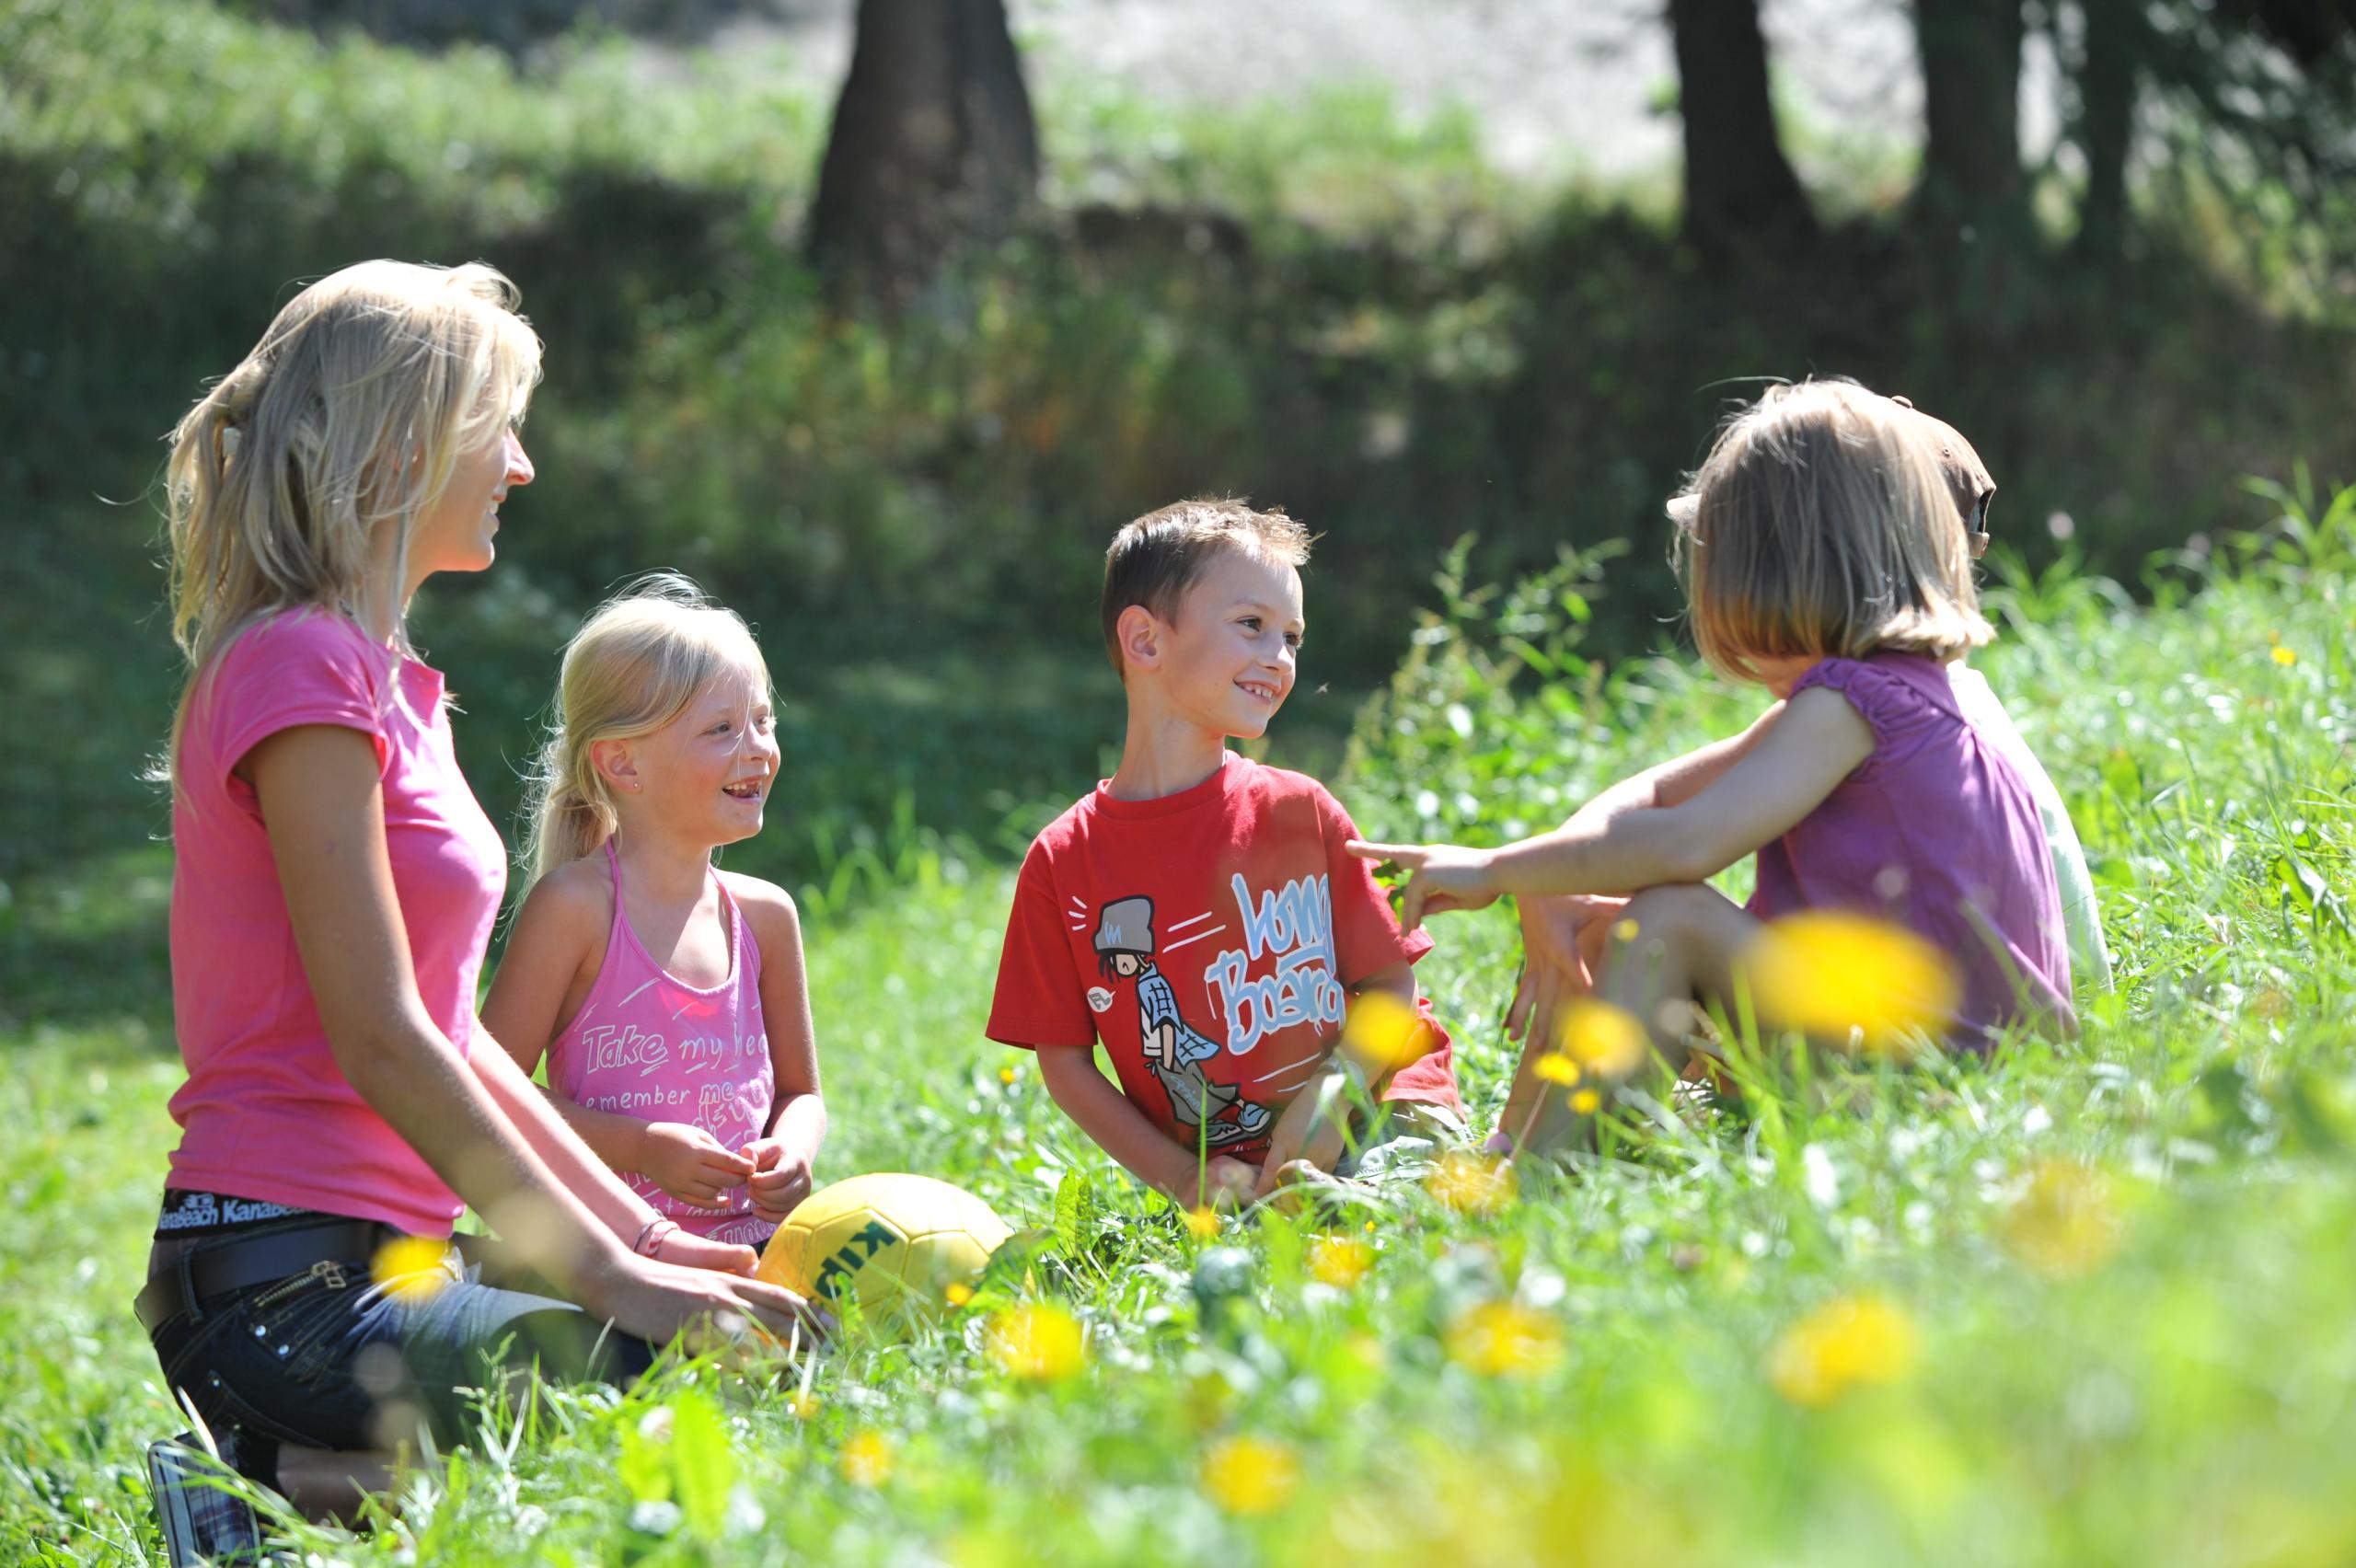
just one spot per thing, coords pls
(333, 889)
(1821, 560)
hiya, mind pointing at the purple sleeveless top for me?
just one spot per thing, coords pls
(645, 1044)
(1935, 831)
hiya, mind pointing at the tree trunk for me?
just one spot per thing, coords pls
(1971, 109)
(933, 146)
(1738, 185)
(2108, 79)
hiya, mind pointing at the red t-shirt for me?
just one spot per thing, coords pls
(1207, 939)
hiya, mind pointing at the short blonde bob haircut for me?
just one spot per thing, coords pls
(298, 479)
(1820, 527)
(634, 666)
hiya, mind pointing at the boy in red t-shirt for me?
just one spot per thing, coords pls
(1197, 914)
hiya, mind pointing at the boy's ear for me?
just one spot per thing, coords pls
(613, 764)
(1137, 634)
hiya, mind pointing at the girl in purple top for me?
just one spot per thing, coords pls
(1820, 561)
(333, 887)
(669, 996)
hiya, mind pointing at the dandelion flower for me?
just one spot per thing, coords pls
(2284, 656)
(1383, 1030)
(1339, 1261)
(1827, 973)
(1036, 1343)
(1250, 1475)
(1604, 1040)
(1504, 1339)
(958, 1292)
(1623, 930)
(1202, 1224)
(1846, 1344)
(1006, 1075)
(2065, 1224)
(1586, 1100)
(866, 1459)
(409, 1268)
(1470, 1183)
(1557, 1066)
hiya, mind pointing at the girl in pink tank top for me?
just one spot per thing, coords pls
(668, 996)
(1823, 559)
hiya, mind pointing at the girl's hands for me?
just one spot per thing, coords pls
(692, 1251)
(689, 1163)
(1440, 877)
(1229, 1183)
(780, 1177)
(1562, 939)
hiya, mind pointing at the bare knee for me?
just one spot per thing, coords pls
(1669, 915)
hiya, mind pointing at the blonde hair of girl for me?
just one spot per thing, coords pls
(1820, 526)
(633, 667)
(299, 478)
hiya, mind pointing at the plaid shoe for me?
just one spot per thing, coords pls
(205, 1524)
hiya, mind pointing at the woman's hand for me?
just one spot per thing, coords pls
(659, 1300)
(1562, 939)
(1440, 877)
(689, 1163)
(690, 1250)
(780, 1177)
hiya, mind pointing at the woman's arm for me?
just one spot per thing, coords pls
(1814, 741)
(322, 805)
(785, 1155)
(1121, 1130)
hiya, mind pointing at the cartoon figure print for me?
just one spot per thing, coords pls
(1175, 1050)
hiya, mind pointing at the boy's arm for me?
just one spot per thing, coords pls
(788, 1149)
(1310, 1130)
(1121, 1130)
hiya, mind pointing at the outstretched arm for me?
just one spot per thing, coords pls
(1121, 1130)
(1809, 745)
(785, 1153)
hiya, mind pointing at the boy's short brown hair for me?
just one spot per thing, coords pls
(1153, 561)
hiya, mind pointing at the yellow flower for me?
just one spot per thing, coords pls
(1557, 1067)
(1037, 1342)
(1006, 1075)
(2284, 656)
(866, 1459)
(1826, 973)
(1623, 930)
(1250, 1475)
(2065, 1224)
(409, 1268)
(1339, 1261)
(1385, 1032)
(1202, 1224)
(1470, 1183)
(1502, 1338)
(1843, 1345)
(958, 1292)
(1606, 1041)
(1585, 1102)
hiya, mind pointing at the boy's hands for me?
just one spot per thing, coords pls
(781, 1176)
(689, 1163)
(1228, 1183)
(1308, 1134)
(1440, 877)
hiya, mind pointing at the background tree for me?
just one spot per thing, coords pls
(933, 146)
(1971, 75)
(1738, 182)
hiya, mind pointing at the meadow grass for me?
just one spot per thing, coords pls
(2086, 1303)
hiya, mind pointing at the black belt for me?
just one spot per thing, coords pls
(216, 1268)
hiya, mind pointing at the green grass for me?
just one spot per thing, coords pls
(2174, 1379)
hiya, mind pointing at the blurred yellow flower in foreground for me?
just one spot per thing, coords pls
(1557, 1067)
(1825, 972)
(1586, 1101)
(1339, 1261)
(409, 1268)
(1605, 1040)
(2284, 656)
(1470, 1183)
(1385, 1032)
(2066, 1223)
(958, 1292)
(1202, 1224)
(1503, 1338)
(1250, 1475)
(1037, 1342)
(867, 1458)
(1844, 1343)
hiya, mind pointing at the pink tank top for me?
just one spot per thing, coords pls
(649, 1046)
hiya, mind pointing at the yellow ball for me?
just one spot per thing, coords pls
(895, 1243)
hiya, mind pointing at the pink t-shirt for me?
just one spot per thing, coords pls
(266, 1113)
